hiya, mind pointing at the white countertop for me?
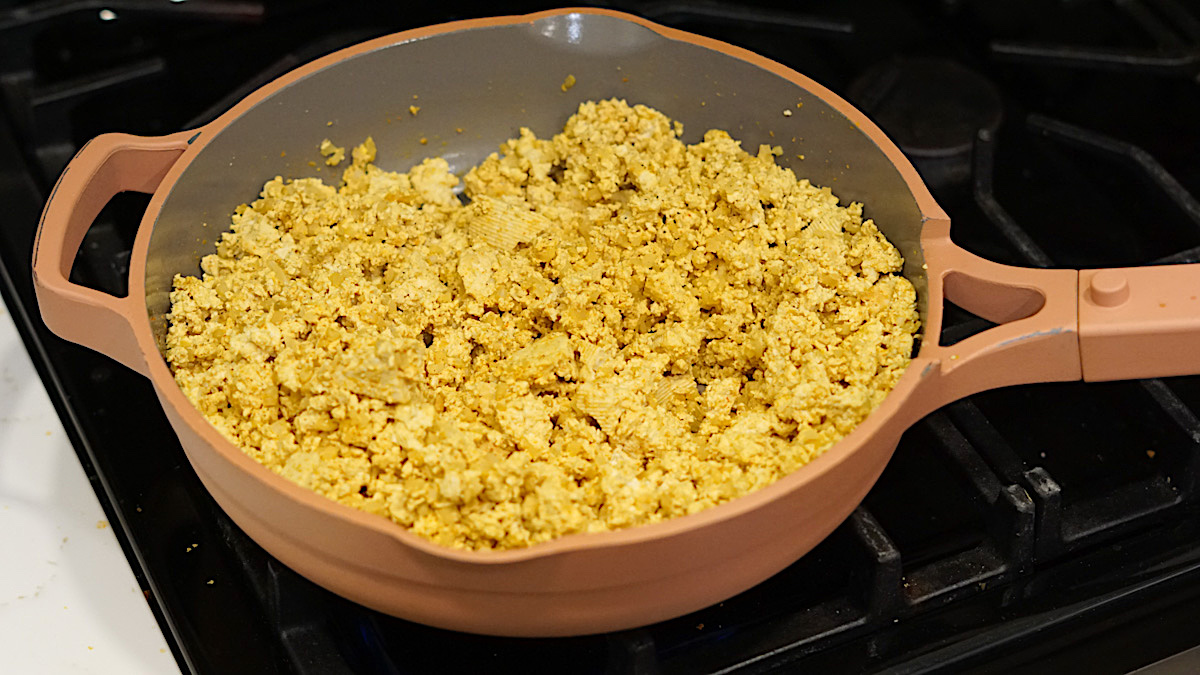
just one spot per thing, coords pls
(69, 602)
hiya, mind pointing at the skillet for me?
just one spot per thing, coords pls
(486, 77)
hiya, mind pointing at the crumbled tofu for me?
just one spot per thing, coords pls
(333, 154)
(617, 329)
(568, 82)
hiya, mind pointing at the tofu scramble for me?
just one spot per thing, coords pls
(615, 329)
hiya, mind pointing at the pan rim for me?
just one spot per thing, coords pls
(878, 421)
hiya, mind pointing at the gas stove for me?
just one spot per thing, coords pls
(1044, 528)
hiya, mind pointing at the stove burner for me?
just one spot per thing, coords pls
(933, 109)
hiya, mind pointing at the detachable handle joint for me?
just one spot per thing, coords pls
(1037, 339)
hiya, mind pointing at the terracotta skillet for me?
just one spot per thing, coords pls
(475, 82)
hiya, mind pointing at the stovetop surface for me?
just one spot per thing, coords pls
(1041, 527)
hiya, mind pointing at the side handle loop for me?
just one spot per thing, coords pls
(109, 164)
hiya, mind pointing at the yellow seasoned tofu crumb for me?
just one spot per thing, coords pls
(615, 329)
(333, 154)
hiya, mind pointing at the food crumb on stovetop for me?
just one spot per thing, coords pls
(617, 329)
(568, 83)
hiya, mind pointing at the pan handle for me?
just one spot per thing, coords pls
(107, 165)
(1139, 322)
(1037, 309)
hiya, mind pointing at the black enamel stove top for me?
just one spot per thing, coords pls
(1044, 528)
